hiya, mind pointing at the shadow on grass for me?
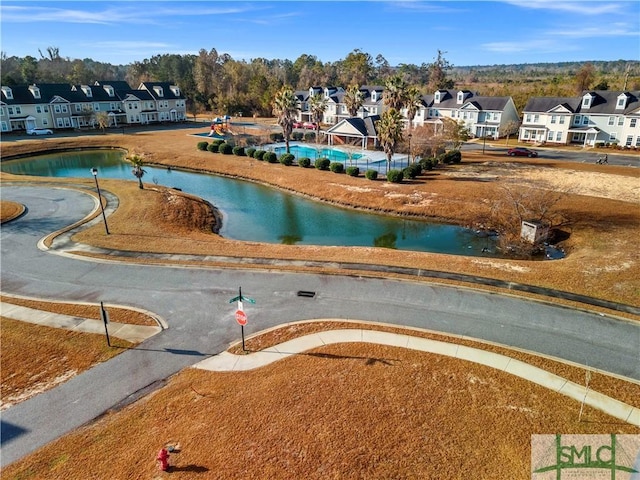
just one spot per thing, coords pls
(188, 468)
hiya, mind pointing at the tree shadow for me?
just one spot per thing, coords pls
(369, 360)
(188, 468)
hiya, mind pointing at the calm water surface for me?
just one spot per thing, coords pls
(253, 212)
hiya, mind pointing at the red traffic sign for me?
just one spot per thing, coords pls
(241, 317)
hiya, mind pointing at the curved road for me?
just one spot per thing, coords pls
(195, 303)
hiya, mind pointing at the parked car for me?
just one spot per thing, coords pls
(39, 131)
(297, 124)
(309, 125)
(521, 152)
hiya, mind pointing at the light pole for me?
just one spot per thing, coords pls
(409, 159)
(94, 172)
(484, 136)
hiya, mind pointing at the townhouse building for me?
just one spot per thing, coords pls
(64, 106)
(597, 117)
(481, 115)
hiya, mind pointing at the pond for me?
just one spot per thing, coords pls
(253, 212)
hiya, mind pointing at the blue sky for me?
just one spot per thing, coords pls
(412, 32)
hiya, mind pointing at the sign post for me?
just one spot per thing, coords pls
(241, 317)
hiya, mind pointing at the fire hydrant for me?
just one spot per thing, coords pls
(163, 459)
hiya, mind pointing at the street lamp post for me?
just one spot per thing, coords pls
(409, 158)
(484, 136)
(94, 172)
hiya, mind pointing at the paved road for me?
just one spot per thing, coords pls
(616, 157)
(195, 302)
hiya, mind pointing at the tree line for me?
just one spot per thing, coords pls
(216, 82)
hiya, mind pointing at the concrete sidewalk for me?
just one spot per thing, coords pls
(124, 331)
(226, 361)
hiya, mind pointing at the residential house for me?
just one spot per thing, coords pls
(63, 106)
(482, 116)
(597, 117)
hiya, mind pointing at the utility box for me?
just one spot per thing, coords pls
(534, 232)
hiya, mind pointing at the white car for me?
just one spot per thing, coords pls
(39, 131)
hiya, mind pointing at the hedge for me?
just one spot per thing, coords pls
(371, 174)
(225, 148)
(412, 171)
(239, 151)
(250, 151)
(336, 167)
(259, 154)
(203, 145)
(322, 163)
(395, 176)
(353, 171)
(286, 159)
(213, 147)
(270, 157)
(304, 162)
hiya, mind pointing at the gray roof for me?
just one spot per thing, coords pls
(604, 102)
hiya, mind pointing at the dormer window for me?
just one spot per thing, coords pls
(35, 91)
(622, 101)
(158, 91)
(7, 93)
(460, 97)
(87, 90)
(175, 90)
(109, 90)
(436, 97)
(587, 100)
(327, 94)
(374, 96)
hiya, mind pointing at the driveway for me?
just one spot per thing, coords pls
(195, 303)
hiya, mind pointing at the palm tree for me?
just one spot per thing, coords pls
(137, 161)
(317, 105)
(395, 92)
(285, 107)
(353, 99)
(389, 129)
(413, 104)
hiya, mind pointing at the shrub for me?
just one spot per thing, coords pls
(353, 171)
(297, 136)
(336, 167)
(309, 136)
(322, 163)
(225, 148)
(304, 162)
(270, 157)
(454, 156)
(217, 141)
(239, 151)
(412, 170)
(259, 154)
(427, 163)
(371, 174)
(250, 151)
(276, 137)
(213, 147)
(287, 159)
(395, 176)
(203, 145)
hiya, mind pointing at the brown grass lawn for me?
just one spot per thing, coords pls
(357, 411)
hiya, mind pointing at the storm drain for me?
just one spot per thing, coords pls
(306, 293)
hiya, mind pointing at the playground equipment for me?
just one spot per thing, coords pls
(220, 127)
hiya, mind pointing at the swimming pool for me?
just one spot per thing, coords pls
(333, 154)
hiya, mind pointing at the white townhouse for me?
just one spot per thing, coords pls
(482, 116)
(64, 106)
(597, 117)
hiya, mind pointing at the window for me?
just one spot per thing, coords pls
(585, 120)
(64, 108)
(638, 141)
(554, 118)
(536, 118)
(561, 119)
(620, 121)
(2, 114)
(558, 136)
(621, 101)
(10, 110)
(577, 119)
(59, 122)
(96, 107)
(18, 110)
(45, 122)
(629, 140)
(612, 136)
(633, 122)
(78, 107)
(38, 109)
(550, 136)
(56, 108)
(611, 120)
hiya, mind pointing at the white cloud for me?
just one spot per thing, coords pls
(611, 30)
(536, 46)
(580, 7)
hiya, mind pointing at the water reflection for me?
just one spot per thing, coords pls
(253, 212)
